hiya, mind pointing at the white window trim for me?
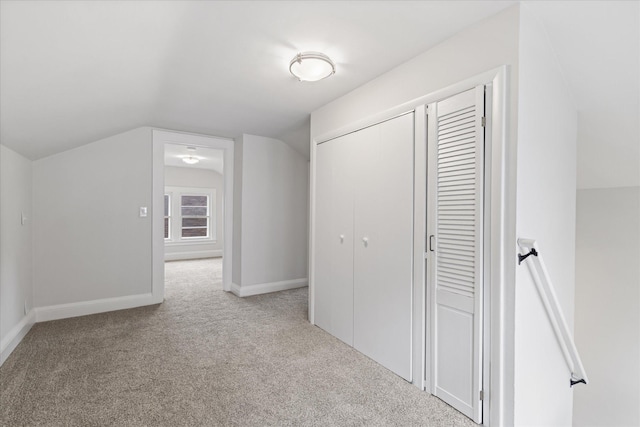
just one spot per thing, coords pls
(175, 193)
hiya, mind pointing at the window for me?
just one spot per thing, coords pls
(167, 216)
(189, 215)
(194, 210)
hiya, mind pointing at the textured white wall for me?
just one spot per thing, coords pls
(274, 194)
(16, 253)
(197, 178)
(89, 242)
(607, 320)
(546, 192)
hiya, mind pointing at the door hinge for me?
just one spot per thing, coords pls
(481, 395)
(484, 121)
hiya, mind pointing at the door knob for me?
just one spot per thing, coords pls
(342, 238)
(365, 240)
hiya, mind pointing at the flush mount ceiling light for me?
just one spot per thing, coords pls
(190, 160)
(311, 66)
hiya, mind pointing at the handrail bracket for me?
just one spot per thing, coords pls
(525, 256)
(573, 381)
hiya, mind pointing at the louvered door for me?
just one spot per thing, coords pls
(455, 222)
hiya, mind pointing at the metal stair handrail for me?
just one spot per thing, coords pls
(553, 309)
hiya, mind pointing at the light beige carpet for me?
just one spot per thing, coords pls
(204, 358)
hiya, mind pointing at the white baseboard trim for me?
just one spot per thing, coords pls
(175, 256)
(265, 288)
(84, 308)
(15, 335)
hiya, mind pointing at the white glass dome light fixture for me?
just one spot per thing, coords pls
(311, 66)
(191, 159)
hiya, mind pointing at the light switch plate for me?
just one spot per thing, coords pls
(143, 211)
(23, 218)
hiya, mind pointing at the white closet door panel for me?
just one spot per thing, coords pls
(334, 238)
(455, 346)
(456, 158)
(383, 246)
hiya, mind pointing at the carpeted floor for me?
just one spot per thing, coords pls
(204, 358)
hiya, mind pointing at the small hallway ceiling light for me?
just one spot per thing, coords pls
(311, 66)
(190, 160)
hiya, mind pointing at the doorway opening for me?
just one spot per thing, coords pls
(193, 220)
(192, 199)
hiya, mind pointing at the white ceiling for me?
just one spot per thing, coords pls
(73, 72)
(209, 158)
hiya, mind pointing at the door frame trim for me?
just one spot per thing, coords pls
(161, 137)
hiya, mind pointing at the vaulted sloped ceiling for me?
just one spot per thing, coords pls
(72, 72)
(597, 44)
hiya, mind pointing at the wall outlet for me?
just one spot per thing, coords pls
(143, 211)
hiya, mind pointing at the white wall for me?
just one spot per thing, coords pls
(273, 218)
(607, 318)
(298, 138)
(89, 241)
(16, 254)
(481, 47)
(546, 188)
(197, 178)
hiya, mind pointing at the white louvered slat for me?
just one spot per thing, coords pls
(457, 173)
(457, 265)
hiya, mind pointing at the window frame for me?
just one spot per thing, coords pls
(207, 216)
(176, 218)
(167, 216)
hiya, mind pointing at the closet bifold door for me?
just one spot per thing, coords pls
(334, 237)
(455, 228)
(383, 246)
